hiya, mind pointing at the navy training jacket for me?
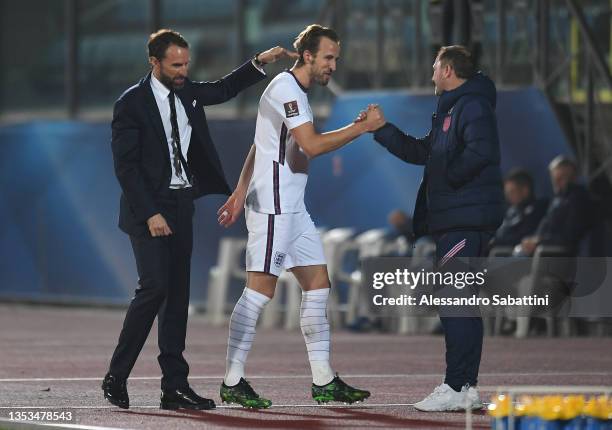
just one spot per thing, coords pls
(462, 183)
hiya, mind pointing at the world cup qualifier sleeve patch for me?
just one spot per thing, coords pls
(291, 109)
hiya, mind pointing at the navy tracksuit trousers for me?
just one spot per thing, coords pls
(463, 334)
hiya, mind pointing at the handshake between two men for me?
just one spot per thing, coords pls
(372, 118)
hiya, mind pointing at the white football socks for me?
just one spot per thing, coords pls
(315, 328)
(242, 332)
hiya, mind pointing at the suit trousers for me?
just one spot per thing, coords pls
(164, 265)
(463, 328)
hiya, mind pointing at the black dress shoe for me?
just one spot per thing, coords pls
(115, 391)
(184, 398)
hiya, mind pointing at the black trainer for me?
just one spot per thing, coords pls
(115, 391)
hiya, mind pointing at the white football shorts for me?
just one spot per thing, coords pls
(278, 242)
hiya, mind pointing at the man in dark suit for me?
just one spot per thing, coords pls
(164, 159)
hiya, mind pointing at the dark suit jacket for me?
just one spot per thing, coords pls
(520, 222)
(568, 217)
(140, 148)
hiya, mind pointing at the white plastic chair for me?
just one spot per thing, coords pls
(336, 242)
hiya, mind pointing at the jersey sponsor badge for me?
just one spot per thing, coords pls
(447, 123)
(291, 109)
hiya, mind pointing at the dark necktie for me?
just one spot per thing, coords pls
(178, 161)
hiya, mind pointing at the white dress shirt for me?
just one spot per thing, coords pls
(163, 104)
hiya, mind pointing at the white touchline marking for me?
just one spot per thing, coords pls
(385, 376)
(309, 405)
(83, 427)
(62, 425)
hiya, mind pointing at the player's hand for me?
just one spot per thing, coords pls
(272, 55)
(362, 115)
(231, 210)
(158, 226)
(375, 118)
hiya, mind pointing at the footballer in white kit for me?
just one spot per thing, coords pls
(281, 233)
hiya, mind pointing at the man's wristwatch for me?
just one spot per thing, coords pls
(257, 61)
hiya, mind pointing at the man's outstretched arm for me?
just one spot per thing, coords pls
(403, 146)
(313, 143)
(212, 93)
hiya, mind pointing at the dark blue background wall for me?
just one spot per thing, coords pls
(59, 196)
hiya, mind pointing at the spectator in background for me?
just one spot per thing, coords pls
(567, 217)
(524, 212)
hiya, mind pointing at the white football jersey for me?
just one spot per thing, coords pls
(281, 167)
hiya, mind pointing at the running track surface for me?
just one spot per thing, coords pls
(54, 359)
